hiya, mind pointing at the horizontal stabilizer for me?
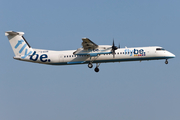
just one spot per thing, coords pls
(14, 33)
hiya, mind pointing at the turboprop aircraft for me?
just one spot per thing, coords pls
(89, 53)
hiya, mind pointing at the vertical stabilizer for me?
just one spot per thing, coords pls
(19, 45)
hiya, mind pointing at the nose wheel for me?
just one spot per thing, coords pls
(166, 62)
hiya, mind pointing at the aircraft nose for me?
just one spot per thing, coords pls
(172, 55)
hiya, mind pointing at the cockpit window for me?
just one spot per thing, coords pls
(160, 49)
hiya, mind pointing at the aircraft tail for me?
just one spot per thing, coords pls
(19, 44)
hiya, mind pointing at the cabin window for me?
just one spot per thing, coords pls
(64, 56)
(158, 49)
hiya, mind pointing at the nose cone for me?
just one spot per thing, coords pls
(171, 55)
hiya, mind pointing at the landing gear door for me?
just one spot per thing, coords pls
(61, 58)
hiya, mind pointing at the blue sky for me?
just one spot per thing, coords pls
(128, 90)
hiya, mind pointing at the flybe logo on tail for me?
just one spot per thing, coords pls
(34, 56)
(23, 47)
(136, 52)
(43, 57)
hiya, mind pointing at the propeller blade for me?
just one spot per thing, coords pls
(113, 54)
(113, 49)
(113, 42)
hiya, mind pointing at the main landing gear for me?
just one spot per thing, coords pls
(166, 62)
(90, 65)
(96, 69)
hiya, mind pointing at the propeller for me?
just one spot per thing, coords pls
(114, 48)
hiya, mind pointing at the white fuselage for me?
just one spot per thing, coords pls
(123, 54)
(88, 54)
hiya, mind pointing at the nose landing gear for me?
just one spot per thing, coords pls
(166, 62)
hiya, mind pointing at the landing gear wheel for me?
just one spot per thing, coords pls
(96, 69)
(90, 65)
(166, 62)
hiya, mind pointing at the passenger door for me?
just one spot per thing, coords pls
(61, 58)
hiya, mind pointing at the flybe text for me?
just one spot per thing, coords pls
(43, 57)
(26, 53)
(136, 52)
(34, 56)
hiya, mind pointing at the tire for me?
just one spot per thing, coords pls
(96, 69)
(90, 65)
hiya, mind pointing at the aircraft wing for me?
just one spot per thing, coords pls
(88, 44)
(91, 49)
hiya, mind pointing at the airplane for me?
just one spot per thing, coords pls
(89, 53)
